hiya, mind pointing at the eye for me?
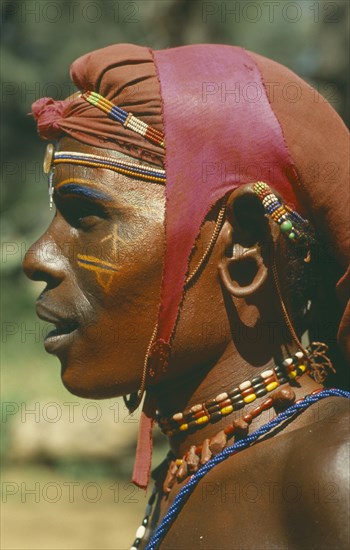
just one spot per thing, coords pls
(88, 221)
(79, 213)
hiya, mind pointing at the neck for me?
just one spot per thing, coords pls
(207, 382)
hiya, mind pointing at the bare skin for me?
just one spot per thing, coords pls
(103, 276)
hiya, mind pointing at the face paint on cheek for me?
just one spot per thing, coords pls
(114, 239)
(104, 271)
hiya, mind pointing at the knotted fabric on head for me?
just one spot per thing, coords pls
(125, 74)
(229, 117)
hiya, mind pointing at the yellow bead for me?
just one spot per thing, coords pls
(302, 368)
(272, 386)
(202, 420)
(178, 461)
(226, 410)
(292, 374)
(249, 398)
(183, 427)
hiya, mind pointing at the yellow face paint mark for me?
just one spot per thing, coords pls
(115, 238)
(105, 271)
(77, 180)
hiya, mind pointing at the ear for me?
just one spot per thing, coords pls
(246, 231)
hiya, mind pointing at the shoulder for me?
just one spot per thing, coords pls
(289, 491)
(318, 459)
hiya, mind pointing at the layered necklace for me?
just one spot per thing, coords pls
(199, 460)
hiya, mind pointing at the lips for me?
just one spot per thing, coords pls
(64, 332)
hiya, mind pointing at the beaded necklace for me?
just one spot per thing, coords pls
(234, 399)
(297, 408)
(181, 468)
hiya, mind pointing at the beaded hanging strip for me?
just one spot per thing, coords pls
(290, 222)
(289, 414)
(128, 120)
(235, 398)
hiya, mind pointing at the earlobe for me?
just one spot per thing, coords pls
(232, 267)
(242, 269)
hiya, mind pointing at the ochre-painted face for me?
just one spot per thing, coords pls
(101, 260)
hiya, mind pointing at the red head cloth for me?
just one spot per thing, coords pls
(229, 117)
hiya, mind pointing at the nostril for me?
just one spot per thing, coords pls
(39, 265)
(38, 276)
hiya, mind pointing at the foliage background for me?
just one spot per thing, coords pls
(39, 41)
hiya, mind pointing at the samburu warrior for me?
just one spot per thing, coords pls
(202, 215)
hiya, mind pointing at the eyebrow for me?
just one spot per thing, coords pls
(81, 188)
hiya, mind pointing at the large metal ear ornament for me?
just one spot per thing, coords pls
(241, 255)
(48, 169)
(48, 158)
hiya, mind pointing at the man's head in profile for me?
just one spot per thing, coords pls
(198, 233)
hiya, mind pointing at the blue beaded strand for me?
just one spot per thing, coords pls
(182, 496)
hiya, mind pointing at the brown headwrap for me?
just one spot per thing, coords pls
(125, 74)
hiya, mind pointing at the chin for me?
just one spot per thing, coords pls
(92, 387)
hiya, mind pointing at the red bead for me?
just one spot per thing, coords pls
(255, 412)
(246, 392)
(267, 404)
(225, 403)
(229, 430)
(199, 414)
(269, 380)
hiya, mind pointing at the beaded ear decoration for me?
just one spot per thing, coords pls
(131, 169)
(290, 222)
(128, 120)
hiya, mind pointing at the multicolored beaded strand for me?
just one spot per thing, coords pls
(132, 169)
(232, 400)
(141, 530)
(128, 120)
(291, 224)
(180, 499)
(181, 468)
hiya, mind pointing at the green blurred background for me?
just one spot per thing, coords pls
(67, 462)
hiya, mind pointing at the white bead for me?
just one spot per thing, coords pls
(221, 397)
(299, 354)
(245, 385)
(287, 362)
(140, 532)
(266, 373)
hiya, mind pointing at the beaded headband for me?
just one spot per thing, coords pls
(131, 169)
(128, 120)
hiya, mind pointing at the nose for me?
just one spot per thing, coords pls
(44, 262)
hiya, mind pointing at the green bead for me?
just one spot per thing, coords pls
(291, 236)
(286, 226)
